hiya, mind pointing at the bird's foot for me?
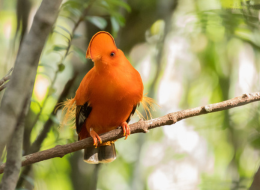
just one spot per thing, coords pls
(126, 129)
(95, 137)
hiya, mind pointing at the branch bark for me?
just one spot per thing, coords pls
(14, 100)
(13, 165)
(14, 153)
(139, 127)
(256, 181)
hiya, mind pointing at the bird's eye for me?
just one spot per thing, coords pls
(112, 54)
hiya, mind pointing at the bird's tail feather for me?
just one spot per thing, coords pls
(68, 111)
(91, 155)
(101, 154)
(148, 105)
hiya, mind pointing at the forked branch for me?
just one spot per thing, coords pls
(3, 81)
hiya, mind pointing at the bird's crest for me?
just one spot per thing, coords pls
(101, 42)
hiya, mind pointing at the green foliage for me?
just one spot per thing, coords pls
(59, 48)
(74, 9)
(61, 67)
(197, 52)
(80, 53)
(100, 22)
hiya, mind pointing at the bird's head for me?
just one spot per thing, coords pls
(102, 49)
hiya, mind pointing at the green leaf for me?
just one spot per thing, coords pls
(115, 26)
(256, 142)
(55, 31)
(65, 29)
(75, 36)
(52, 90)
(104, 4)
(61, 67)
(120, 4)
(119, 18)
(73, 4)
(99, 22)
(59, 48)
(68, 17)
(35, 101)
(80, 53)
(75, 12)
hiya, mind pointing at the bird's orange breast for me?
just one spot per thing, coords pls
(112, 94)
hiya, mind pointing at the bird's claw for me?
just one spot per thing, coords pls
(126, 129)
(95, 137)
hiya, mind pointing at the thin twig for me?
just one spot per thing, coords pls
(139, 127)
(3, 86)
(6, 77)
(3, 81)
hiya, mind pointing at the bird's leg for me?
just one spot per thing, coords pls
(95, 137)
(126, 129)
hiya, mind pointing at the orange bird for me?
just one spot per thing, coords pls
(106, 98)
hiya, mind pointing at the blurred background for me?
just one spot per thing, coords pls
(189, 53)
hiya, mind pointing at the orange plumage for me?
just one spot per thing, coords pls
(107, 96)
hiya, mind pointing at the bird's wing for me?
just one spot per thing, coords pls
(82, 113)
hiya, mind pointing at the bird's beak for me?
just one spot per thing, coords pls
(96, 58)
(88, 55)
(93, 58)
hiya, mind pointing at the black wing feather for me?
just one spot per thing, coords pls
(82, 113)
(132, 113)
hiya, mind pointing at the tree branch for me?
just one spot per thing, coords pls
(24, 73)
(256, 181)
(14, 152)
(14, 155)
(139, 127)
